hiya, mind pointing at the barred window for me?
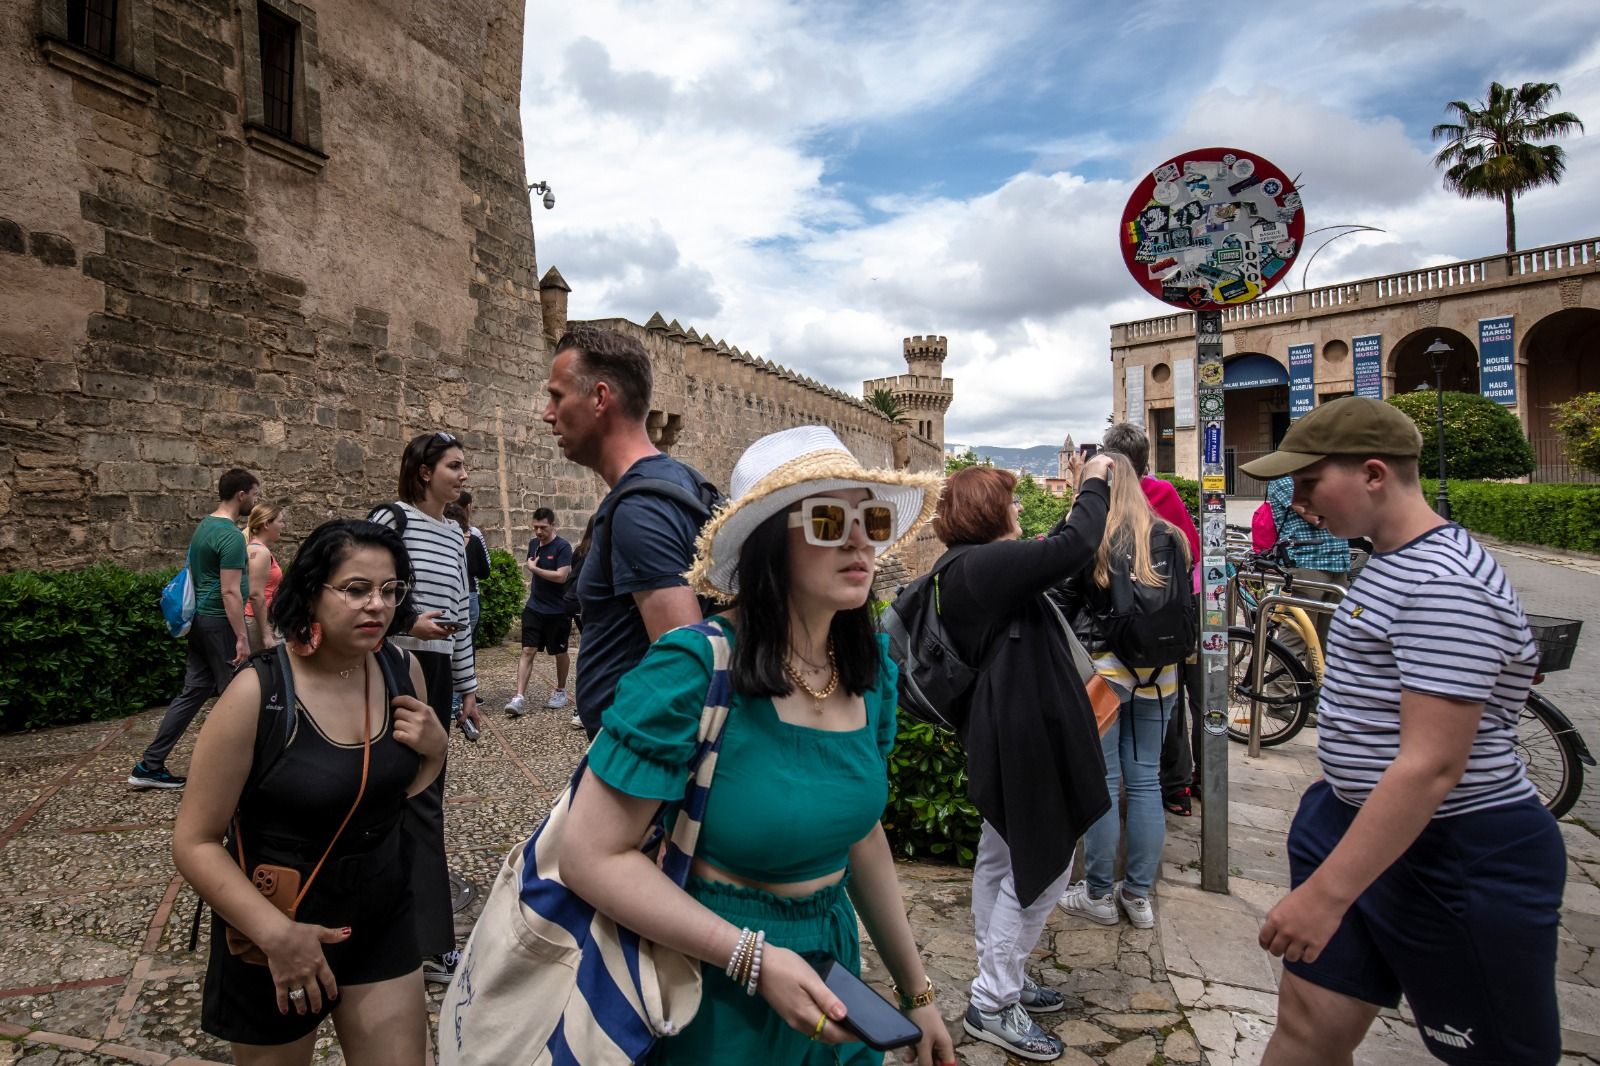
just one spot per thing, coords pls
(92, 26)
(278, 36)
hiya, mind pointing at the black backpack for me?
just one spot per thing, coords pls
(935, 681)
(1148, 627)
(701, 502)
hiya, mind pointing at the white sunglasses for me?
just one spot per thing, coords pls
(827, 521)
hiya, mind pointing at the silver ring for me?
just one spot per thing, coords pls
(296, 995)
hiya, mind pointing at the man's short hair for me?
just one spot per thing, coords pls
(615, 358)
(465, 499)
(544, 514)
(234, 482)
(1407, 469)
(1125, 438)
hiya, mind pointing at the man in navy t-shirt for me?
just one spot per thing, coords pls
(631, 586)
(546, 626)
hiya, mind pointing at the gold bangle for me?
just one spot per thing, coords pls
(820, 1023)
(921, 999)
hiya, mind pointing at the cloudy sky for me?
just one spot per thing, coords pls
(813, 180)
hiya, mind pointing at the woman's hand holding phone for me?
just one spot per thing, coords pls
(797, 993)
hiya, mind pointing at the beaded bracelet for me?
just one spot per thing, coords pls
(739, 962)
(755, 965)
(921, 999)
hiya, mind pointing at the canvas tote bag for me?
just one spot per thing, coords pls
(545, 977)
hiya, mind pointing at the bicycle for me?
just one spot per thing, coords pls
(1548, 744)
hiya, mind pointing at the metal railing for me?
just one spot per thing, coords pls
(1551, 465)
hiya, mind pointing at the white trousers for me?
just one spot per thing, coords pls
(1005, 930)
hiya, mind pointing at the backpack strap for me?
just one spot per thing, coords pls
(275, 719)
(396, 513)
(689, 499)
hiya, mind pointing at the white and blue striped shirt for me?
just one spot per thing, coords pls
(438, 583)
(1437, 616)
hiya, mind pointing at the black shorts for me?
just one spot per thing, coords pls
(1464, 923)
(371, 893)
(547, 632)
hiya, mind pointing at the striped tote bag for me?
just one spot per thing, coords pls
(545, 978)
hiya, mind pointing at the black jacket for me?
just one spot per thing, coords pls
(1034, 767)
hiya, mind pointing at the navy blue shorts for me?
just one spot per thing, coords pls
(1464, 924)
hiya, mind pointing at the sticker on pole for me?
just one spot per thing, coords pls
(1212, 228)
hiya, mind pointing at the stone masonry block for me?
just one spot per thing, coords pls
(126, 477)
(168, 450)
(185, 477)
(52, 249)
(118, 386)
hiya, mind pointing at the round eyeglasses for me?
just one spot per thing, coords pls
(357, 594)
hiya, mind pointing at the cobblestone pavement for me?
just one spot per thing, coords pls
(95, 966)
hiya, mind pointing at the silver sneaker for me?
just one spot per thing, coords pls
(1099, 909)
(557, 699)
(576, 723)
(516, 705)
(1138, 908)
(1037, 999)
(1013, 1030)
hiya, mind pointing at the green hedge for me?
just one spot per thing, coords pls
(929, 815)
(500, 599)
(1558, 516)
(83, 645)
(1482, 439)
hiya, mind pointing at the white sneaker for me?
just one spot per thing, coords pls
(1140, 913)
(1099, 909)
(558, 698)
(515, 705)
(576, 721)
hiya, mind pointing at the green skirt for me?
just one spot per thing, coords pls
(731, 1027)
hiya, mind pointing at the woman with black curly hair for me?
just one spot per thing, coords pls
(290, 828)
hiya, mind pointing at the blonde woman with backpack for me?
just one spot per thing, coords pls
(1141, 559)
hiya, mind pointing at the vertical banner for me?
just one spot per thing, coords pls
(1133, 388)
(1367, 354)
(1213, 657)
(1183, 394)
(1302, 391)
(1497, 365)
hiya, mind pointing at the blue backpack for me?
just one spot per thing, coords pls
(177, 601)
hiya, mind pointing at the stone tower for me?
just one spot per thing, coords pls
(1064, 457)
(924, 393)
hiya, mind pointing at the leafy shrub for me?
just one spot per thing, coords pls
(1578, 422)
(1482, 439)
(929, 815)
(500, 598)
(1559, 516)
(83, 645)
(1041, 509)
(1189, 492)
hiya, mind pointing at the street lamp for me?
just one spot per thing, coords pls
(1438, 352)
(544, 187)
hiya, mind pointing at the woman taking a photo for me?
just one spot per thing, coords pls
(261, 531)
(323, 807)
(811, 721)
(1033, 753)
(1142, 545)
(433, 471)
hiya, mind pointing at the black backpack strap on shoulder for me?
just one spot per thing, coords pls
(395, 665)
(395, 511)
(655, 486)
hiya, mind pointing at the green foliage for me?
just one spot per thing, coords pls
(1578, 422)
(952, 463)
(83, 645)
(500, 598)
(1040, 509)
(929, 815)
(1559, 516)
(884, 401)
(1482, 439)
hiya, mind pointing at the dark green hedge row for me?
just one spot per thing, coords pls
(500, 598)
(83, 645)
(1558, 516)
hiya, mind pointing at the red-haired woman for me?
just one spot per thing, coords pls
(1034, 766)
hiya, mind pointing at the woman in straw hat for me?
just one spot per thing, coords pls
(790, 837)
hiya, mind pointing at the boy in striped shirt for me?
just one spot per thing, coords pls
(1423, 853)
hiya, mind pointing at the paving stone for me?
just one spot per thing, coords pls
(1151, 1000)
(1076, 1032)
(1140, 1052)
(1136, 1022)
(1180, 1047)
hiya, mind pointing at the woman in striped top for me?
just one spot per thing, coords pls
(433, 471)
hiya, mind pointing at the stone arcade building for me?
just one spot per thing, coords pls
(288, 236)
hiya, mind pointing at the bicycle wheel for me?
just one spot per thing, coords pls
(1551, 759)
(1285, 682)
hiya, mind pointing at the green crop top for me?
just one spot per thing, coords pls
(787, 802)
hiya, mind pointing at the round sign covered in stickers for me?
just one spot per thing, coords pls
(1212, 228)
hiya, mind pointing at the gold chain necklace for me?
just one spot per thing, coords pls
(817, 697)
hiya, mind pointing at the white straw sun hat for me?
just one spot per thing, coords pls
(780, 470)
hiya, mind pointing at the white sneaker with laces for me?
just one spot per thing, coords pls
(576, 721)
(515, 705)
(1138, 908)
(1099, 909)
(558, 698)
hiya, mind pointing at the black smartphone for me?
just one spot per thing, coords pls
(1088, 450)
(451, 627)
(871, 1017)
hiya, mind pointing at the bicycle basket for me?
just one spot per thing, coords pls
(1557, 639)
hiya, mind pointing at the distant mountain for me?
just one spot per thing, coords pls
(1040, 460)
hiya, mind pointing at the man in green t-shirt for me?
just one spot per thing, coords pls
(217, 641)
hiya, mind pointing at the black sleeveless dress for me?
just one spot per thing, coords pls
(288, 820)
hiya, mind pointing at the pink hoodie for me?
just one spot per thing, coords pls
(1165, 501)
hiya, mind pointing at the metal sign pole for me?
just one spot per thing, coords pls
(1213, 660)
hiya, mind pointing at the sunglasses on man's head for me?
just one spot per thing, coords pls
(826, 521)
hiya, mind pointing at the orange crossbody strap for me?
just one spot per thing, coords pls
(366, 763)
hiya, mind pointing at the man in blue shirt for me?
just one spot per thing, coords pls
(1315, 554)
(632, 585)
(546, 625)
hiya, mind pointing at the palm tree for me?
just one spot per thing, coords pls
(884, 401)
(1490, 152)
